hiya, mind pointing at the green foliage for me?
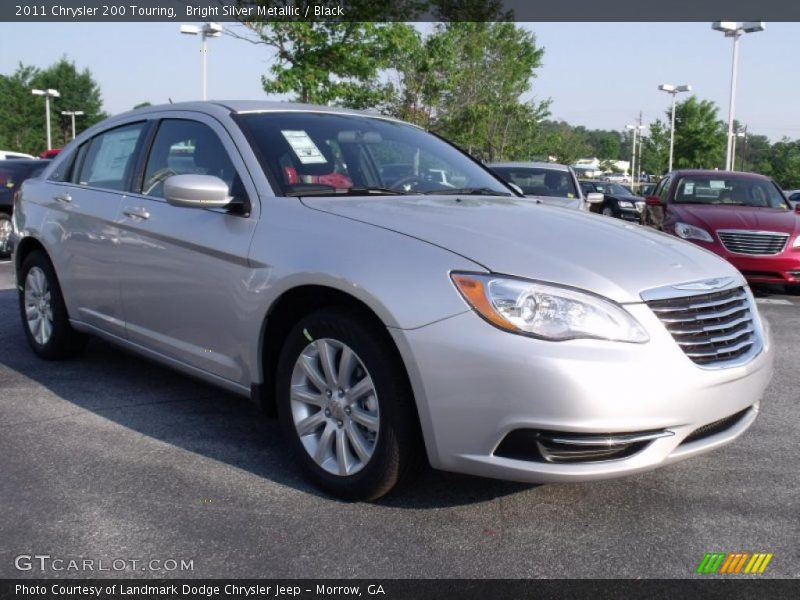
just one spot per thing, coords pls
(784, 163)
(655, 148)
(699, 135)
(22, 115)
(466, 80)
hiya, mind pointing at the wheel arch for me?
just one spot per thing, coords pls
(284, 313)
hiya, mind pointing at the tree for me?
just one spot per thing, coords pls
(655, 149)
(328, 62)
(22, 122)
(466, 80)
(784, 164)
(699, 135)
(22, 116)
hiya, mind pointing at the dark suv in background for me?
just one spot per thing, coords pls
(12, 174)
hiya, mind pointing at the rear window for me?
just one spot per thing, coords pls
(540, 181)
(737, 191)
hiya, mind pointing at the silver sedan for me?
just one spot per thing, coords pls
(392, 298)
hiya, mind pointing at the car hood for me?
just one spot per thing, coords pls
(719, 216)
(518, 237)
(560, 201)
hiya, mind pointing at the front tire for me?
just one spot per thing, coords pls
(345, 407)
(608, 211)
(43, 312)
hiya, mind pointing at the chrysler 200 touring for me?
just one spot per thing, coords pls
(389, 315)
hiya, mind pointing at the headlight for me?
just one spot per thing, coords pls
(547, 311)
(625, 204)
(796, 242)
(690, 232)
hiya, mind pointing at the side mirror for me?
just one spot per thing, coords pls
(594, 198)
(196, 191)
(653, 201)
(516, 188)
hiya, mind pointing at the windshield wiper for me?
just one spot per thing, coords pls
(468, 191)
(329, 190)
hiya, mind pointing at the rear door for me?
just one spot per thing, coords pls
(183, 270)
(84, 197)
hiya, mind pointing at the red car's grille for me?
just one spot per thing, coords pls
(710, 328)
(758, 243)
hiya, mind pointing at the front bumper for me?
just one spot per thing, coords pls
(474, 384)
(779, 268)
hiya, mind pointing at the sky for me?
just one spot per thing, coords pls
(599, 75)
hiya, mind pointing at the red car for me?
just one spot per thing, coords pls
(743, 217)
(50, 153)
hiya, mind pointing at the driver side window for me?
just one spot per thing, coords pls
(184, 147)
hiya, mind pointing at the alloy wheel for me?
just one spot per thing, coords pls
(334, 407)
(38, 307)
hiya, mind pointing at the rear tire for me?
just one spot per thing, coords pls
(43, 312)
(350, 418)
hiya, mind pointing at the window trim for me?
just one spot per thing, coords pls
(77, 165)
(245, 209)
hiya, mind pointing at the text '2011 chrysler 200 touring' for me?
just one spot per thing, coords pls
(317, 260)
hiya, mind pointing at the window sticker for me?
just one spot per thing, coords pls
(688, 188)
(304, 147)
(716, 184)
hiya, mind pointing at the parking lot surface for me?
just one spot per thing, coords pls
(109, 456)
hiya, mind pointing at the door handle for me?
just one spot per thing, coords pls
(63, 197)
(137, 212)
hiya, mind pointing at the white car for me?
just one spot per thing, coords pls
(793, 196)
(12, 155)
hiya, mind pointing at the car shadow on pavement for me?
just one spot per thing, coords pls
(175, 409)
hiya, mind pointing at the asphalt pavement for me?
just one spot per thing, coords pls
(110, 457)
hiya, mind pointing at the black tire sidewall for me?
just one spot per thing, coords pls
(396, 445)
(64, 341)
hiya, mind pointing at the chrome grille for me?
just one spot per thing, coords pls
(710, 328)
(763, 243)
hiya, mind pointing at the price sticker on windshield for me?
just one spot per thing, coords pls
(304, 147)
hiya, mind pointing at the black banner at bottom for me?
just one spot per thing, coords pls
(393, 589)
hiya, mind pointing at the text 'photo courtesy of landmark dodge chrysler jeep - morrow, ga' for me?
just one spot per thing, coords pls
(391, 315)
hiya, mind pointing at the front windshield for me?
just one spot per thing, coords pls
(540, 181)
(738, 191)
(313, 153)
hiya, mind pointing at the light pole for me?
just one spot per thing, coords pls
(47, 95)
(673, 90)
(208, 30)
(735, 30)
(73, 114)
(738, 134)
(635, 128)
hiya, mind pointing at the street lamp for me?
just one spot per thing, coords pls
(208, 30)
(47, 95)
(735, 30)
(635, 128)
(73, 114)
(673, 90)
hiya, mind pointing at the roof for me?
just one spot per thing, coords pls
(713, 173)
(534, 165)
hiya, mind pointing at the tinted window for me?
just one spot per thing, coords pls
(312, 152)
(740, 191)
(184, 147)
(540, 181)
(109, 158)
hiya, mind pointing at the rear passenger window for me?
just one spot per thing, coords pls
(109, 158)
